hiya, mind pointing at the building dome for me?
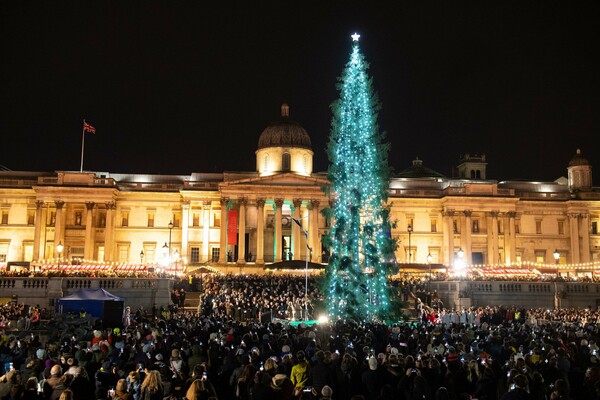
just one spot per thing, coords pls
(578, 160)
(418, 170)
(284, 133)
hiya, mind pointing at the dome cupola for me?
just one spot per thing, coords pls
(284, 146)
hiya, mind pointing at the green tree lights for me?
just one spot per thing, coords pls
(360, 242)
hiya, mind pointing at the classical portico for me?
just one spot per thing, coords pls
(265, 208)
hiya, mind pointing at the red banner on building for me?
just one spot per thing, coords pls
(232, 226)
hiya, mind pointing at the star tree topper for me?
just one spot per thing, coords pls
(355, 37)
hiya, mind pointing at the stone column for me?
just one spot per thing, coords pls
(296, 231)
(585, 238)
(449, 237)
(88, 252)
(260, 231)
(278, 238)
(242, 201)
(574, 232)
(466, 237)
(40, 224)
(206, 207)
(510, 241)
(223, 231)
(185, 229)
(493, 246)
(313, 233)
(109, 231)
(59, 225)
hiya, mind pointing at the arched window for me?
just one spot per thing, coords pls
(285, 162)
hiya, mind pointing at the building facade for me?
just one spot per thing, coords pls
(246, 218)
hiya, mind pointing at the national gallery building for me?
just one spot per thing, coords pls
(244, 219)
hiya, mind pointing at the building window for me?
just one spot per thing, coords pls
(217, 220)
(285, 162)
(196, 219)
(538, 227)
(561, 227)
(30, 217)
(216, 252)
(433, 225)
(410, 222)
(124, 218)
(500, 227)
(3, 251)
(52, 218)
(475, 226)
(27, 251)
(540, 256)
(78, 217)
(4, 217)
(594, 227)
(123, 253)
(100, 253)
(455, 227)
(102, 219)
(195, 255)
(517, 226)
(149, 251)
(150, 220)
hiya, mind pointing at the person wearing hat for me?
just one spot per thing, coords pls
(300, 371)
(371, 379)
(326, 393)
(281, 387)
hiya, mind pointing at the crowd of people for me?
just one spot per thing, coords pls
(238, 345)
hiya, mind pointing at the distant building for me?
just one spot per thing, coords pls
(246, 217)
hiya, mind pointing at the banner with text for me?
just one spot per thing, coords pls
(232, 225)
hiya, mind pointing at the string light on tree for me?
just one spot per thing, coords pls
(360, 241)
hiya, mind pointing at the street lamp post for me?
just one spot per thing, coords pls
(142, 257)
(170, 226)
(429, 259)
(59, 248)
(410, 230)
(556, 255)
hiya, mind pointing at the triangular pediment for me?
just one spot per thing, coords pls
(286, 179)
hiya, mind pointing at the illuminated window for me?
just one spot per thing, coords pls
(216, 252)
(151, 220)
(475, 225)
(285, 162)
(217, 220)
(433, 225)
(123, 253)
(124, 218)
(195, 255)
(538, 226)
(51, 218)
(410, 222)
(3, 251)
(540, 256)
(4, 217)
(196, 219)
(455, 227)
(100, 253)
(561, 227)
(149, 251)
(27, 251)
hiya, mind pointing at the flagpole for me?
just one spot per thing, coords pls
(82, 144)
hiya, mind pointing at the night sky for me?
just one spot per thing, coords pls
(177, 87)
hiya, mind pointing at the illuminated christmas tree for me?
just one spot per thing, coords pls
(360, 242)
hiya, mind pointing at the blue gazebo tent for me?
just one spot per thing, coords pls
(97, 302)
